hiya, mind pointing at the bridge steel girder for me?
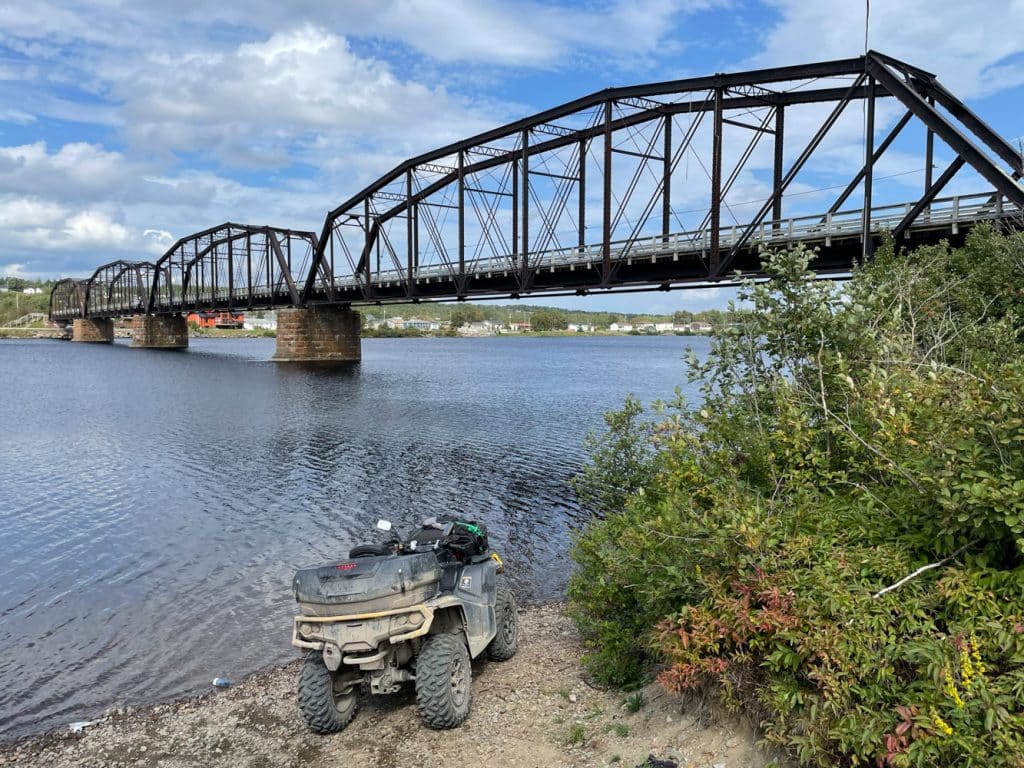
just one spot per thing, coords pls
(231, 266)
(564, 147)
(118, 288)
(582, 197)
(67, 299)
(113, 289)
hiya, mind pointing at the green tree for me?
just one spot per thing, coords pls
(834, 538)
(465, 314)
(548, 319)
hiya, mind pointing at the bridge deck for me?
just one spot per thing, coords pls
(679, 259)
(488, 216)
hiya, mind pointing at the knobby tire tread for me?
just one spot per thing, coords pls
(499, 649)
(433, 682)
(316, 698)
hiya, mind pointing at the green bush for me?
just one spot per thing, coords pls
(833, 541)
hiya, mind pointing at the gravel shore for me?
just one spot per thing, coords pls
(534, 711)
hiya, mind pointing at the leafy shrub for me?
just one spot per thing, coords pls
(833, 541)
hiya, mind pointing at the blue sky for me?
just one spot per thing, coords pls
(124, 126)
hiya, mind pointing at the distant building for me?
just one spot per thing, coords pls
(581, 327)
(417, 324)
(700, 327)
(621, 327)
(520, 327)
(261, 323)
(664, 327)
(482, 328)
(217, 319)
(32, 290)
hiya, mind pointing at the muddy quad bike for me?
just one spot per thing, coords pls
(417, 609)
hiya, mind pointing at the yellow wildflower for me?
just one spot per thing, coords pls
(966, 668)
(979, 665)
(951, 691)
(941, 725)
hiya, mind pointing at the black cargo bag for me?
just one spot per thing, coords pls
(467, 539)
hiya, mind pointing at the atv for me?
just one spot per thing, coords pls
(416, 609)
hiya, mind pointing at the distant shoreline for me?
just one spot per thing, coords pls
(59, 335)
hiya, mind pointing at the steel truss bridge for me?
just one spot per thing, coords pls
(596, 195)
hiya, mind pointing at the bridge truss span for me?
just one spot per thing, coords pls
(700, 170)
(670, 184)
(232, 266)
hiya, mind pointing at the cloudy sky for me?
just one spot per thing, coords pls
(124, 126)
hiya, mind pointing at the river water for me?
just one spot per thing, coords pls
(153, 505)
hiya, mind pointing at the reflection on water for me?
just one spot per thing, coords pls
(153, 505)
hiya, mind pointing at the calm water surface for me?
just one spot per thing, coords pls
(153, 505)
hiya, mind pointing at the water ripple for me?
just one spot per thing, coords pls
(154, 505)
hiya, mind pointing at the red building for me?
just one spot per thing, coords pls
(217, 319)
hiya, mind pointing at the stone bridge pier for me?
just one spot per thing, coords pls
(159, 332)
(94, 331)
(320, 334)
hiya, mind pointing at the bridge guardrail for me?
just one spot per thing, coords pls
(944, 213)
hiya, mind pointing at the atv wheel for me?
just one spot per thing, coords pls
(506, 641)
(327, 701)
(443, 680)
(369, 550)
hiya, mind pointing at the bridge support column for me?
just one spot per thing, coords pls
(322, 334)
(96, 331)
(159, 332)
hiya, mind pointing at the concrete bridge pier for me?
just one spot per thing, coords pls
(95, 331)
(159, 332)
(319, 334)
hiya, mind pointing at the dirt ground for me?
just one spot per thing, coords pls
(534, 711)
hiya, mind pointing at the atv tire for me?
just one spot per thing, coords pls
(369, 550)
(444, 677)
(506, 641)
(326, 705)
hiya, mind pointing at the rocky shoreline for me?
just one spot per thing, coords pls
(535, 711)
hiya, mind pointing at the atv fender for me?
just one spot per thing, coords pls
(474, 599)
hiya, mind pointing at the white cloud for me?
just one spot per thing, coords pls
(499, 32)
(75, 171)
(72, 208)
(16, 116)
(158, 240)
(261, 103)
(27, 213)
(968, 44)
(348, 90)
(47, 225)
(93, 228)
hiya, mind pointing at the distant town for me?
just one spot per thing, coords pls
(488, 327)
(25, 303)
